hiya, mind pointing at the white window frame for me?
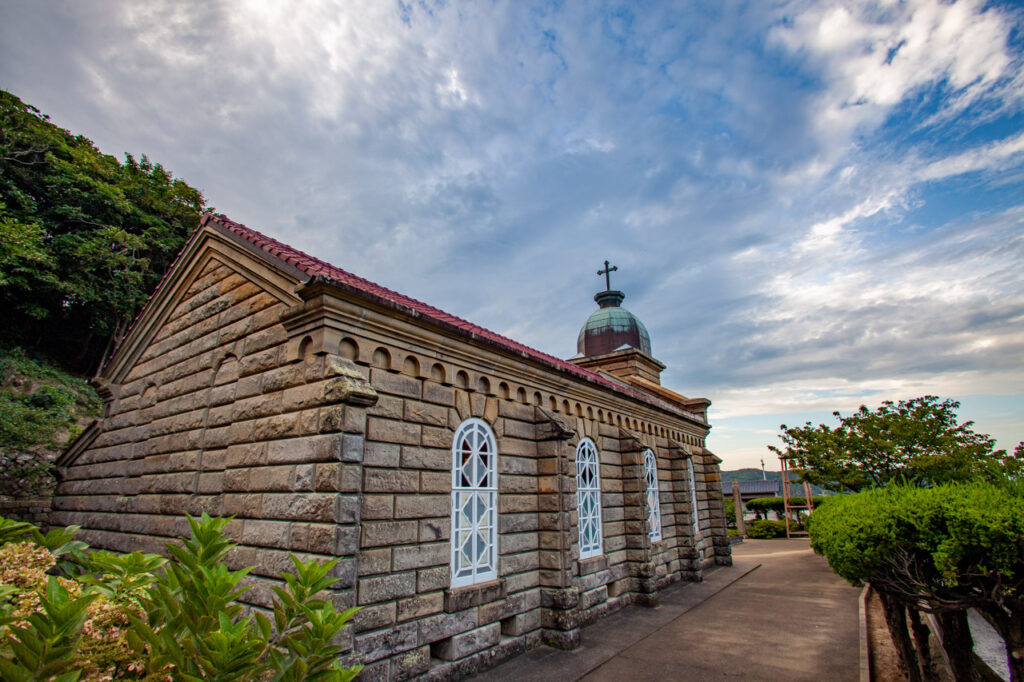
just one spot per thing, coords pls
(474, 540)
(653, 494)
(588, 499)
(693, 499)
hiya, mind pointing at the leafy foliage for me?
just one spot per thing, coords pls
(85, 238)
(777, 504)
(917, 441)
(942, 549)
(141, 616)
(41, 409)
(763, 529)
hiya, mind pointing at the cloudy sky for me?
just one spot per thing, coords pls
(812, 205)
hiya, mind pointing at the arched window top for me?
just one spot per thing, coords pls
(588, 498)
(474, 456)
(474, 504)
(653, 501)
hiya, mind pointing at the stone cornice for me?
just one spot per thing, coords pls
(330, 311)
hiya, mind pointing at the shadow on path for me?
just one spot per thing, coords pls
(778, 614)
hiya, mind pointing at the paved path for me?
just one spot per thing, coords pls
(778, 614)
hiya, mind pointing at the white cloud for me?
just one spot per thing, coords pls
(762, 199)
(874, 57)
(993, 156)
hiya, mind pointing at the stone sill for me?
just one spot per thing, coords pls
(593, 564)
(460, 598)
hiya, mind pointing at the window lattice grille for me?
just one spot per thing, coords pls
(653, 503)
(474, 504)
(588, 498)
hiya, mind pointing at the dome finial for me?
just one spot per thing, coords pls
(607, 275)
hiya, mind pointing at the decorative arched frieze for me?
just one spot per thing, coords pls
(411, 366)
(382, 358)
(438, 374)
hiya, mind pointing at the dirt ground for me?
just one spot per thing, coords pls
(885, 665)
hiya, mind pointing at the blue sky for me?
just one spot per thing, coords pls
(812, 205)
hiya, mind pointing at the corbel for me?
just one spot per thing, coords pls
(346, 384)
(551, 426)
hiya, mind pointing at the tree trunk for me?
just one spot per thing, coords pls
(959, 645)
(921, 636)
(896, 619)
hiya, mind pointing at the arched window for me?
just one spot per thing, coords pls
(693, 498)
(588, 498)
(474, 504)
(653, 504)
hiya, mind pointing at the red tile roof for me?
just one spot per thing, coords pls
(314, 267)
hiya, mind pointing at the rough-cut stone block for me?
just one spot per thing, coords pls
(421, 556)
(444, 625)
(384, 533)
(426, 413)
(246, 454)
(435, 482)
(324, 448)
(437, 437)
(462, 645)
(430, 579)
(420, 605)
(502, 608)
(271, 478)
(436, 393)
(392, 431)
(386, 587)
(395, 384)
(381, 454)
(372, 561)
(438, 459)
(521, 623)
(314, 537)
(459, 598)
(391, 481)
(377, 645)
(266, 533)
(353, 445)
(410, 664)
(304, 507)
(378, 507)
(432, 530)
(422, 506)
(593, 597)
(304, 478)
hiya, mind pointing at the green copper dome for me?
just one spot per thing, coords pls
(611, 327)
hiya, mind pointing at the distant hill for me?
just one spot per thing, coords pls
(757, 475)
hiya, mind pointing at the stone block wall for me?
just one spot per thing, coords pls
(213, 419)
(325, 428)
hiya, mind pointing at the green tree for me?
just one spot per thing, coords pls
(85, 237)
(917, 441)
(943, 550)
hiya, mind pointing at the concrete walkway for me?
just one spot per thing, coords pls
(778, 614)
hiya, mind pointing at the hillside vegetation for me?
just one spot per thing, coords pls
(41, 410)
(84, 238)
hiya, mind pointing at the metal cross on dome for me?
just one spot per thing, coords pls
(607, 275)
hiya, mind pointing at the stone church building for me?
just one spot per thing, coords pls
(484, 497)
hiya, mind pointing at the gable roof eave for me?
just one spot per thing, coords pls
(171, 285)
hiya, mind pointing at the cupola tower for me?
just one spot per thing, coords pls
(614, 340)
